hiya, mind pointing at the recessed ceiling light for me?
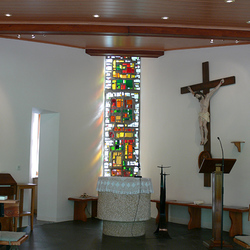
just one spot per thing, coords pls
(248, 22)
(8, 15)
(165, 17)
(212, 41)
(18, 36)
(229, 1)
(33, 36)
(96, 15)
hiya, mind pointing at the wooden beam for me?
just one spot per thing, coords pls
(125, 30)
(63, 29)
(206, 85)
(190, 32)
(108, 52)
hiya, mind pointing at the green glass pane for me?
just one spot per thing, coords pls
(129, 83)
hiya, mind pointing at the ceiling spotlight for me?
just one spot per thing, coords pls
(236, 41)
(165, 17)
(96, 16)
(18, 36)
(248, 22)
(33, 36)
(212, 41)
(8, 15)
(229, 1)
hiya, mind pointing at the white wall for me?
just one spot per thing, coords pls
(69, 82)
(170, 132)
(62, 80)
(48, 167)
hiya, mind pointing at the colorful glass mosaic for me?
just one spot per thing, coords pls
(122, 116)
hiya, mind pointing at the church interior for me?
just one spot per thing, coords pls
(52, 63)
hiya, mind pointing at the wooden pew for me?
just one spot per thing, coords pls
(243, 241)
(9, 210)
(235, 214)
(8, 187)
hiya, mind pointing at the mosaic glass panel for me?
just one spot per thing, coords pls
(122, 116)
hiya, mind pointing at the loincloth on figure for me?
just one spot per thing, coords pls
(205, 116)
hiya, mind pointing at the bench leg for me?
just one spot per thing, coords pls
(195, 217)
(236, 224)
(79, 210)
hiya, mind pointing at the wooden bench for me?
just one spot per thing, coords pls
(12, 238)
(235, 214)
(241, 240)
(80, 205)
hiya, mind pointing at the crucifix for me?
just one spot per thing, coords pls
(205, 87)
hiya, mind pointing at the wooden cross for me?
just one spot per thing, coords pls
(205, 87)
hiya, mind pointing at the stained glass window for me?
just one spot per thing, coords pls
(122, 116)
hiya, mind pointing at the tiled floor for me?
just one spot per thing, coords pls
(76, 235)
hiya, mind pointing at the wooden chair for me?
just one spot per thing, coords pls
(243, 241)
(8, 187)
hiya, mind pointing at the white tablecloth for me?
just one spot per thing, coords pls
(125, 185)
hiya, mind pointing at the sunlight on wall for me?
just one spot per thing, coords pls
(34, 144)
(96, 126)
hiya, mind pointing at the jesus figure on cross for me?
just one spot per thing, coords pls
(204, 116)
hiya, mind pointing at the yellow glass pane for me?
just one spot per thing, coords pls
(128, 134)
(119, 160)
(121, 134)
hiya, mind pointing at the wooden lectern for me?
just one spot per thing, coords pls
(215, 166)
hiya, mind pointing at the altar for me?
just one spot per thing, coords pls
(124, 205)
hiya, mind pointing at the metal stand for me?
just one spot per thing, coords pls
(162, 230)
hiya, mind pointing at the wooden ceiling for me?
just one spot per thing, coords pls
(127, 25)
